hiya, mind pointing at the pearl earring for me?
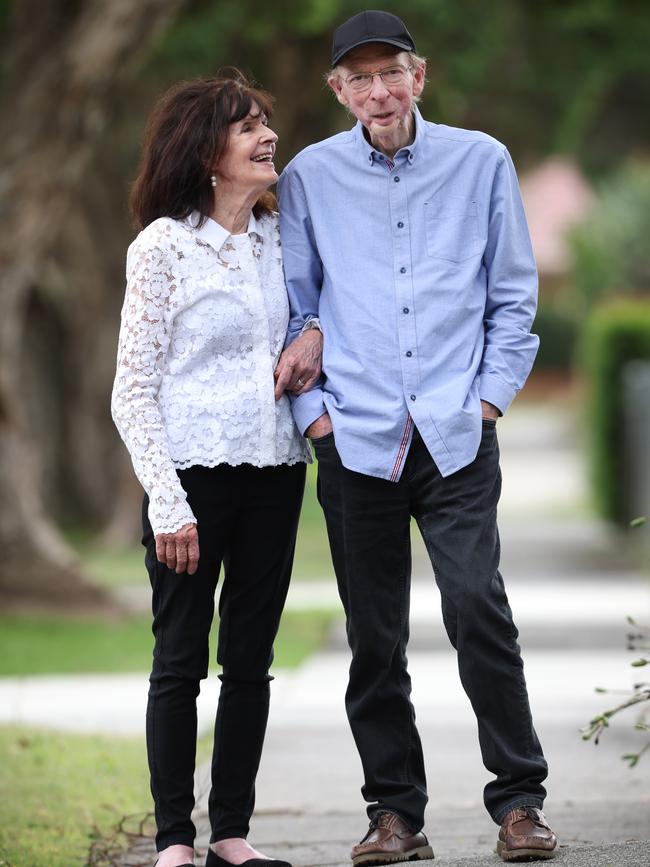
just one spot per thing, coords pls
(213, 180)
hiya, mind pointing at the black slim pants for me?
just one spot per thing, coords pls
(368, 522)
(247, 518)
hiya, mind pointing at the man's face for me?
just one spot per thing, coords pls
(383, 107)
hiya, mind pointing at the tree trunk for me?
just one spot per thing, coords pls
(67, 65)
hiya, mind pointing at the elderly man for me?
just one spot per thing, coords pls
(407, 241)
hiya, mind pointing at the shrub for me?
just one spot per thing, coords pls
(609, 250)
(616, 333)
(558, 332)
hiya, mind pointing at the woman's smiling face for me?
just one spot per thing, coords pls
(248, 160)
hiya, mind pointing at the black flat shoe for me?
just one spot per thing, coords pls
(213, 860)
(182, 865)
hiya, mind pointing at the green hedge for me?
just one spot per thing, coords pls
(610, 254)
(615, 333)
(558, 337)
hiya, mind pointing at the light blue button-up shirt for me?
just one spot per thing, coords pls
(422, 274)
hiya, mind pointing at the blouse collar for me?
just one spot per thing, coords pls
(215, 234)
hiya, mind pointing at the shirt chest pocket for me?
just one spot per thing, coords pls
(452, 229)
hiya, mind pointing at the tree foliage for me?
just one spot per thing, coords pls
(568, 77)
(65, 66)
(610, 249)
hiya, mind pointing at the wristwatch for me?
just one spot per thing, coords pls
(314, 322)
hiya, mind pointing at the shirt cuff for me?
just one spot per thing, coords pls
(168, 513)
(314, 322)
(495, 390)
(307, 408)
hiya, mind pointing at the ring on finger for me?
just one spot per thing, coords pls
(300, 382)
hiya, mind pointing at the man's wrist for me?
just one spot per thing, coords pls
(489, 410)
(311, 324)
(320, 427)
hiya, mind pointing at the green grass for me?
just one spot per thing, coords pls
(54, 645)
(301, 634)
(114, 567)
(58, 791)
(312, 548)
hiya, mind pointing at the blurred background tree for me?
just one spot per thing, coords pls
(66, 66)
(610, 248)
(78, 80)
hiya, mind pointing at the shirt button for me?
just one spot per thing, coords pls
(396, 179)
(400, 225)
(405, 310)
(412, 397)
(409, 354)
(402, 270)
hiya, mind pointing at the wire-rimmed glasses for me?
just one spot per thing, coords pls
(391, 76)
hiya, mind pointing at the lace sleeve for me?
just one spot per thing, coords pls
(143, 343)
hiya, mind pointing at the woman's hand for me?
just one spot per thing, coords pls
(179, 550)
(300, 364)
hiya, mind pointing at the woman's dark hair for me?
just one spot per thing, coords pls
(186, 135)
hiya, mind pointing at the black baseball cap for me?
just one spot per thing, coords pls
(371, 26)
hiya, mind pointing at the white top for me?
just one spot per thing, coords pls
(203, 325)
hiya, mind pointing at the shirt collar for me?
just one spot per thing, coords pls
(214, 234)
(370, 154)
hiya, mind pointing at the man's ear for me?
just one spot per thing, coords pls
(419, 76)
(336, 85)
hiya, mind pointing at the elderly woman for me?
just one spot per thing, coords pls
(223, 466)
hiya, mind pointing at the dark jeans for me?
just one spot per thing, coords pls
(368, 525)
(247, 518)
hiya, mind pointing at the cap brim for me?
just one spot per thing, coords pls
(396, 42)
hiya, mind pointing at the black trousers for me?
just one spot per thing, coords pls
(247, 519)
(368, 523)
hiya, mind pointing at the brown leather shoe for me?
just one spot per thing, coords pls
(389, 839)
(525, 836)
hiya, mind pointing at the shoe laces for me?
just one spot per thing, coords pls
(535, 815)
(381, 820)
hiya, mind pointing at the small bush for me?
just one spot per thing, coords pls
(609, 250)
(615, 334)
(557, 332)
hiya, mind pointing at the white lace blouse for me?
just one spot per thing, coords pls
(203, 325)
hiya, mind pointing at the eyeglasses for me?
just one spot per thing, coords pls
(394, 75)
